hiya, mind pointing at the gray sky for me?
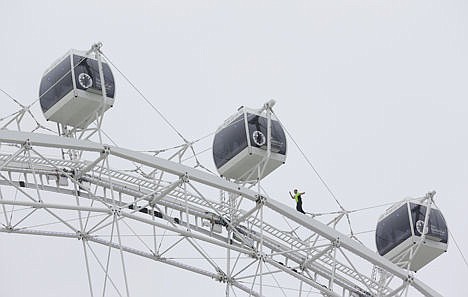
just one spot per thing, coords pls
(373, 91)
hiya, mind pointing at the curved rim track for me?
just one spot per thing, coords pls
(309, 257)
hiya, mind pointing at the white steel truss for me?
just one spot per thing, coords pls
(94, 202)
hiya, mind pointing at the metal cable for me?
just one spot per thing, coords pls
(28, 107)
(310, 163)
(458, 247)
(319, 177)
(11, 97)
(190, 144)
(144, 98)
(456, 244)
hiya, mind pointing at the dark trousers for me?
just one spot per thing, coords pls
(299, 207)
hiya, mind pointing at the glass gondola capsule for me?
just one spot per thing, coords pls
(401, 228)
(70, 92)
(240, 146)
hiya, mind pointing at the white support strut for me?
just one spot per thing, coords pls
(43, 140)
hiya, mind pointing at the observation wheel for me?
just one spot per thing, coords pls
(232, 232)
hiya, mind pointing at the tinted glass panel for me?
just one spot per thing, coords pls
(393, 230)
(87, 76)
(55, 84)
(278, 139)
(437, 228)
(229, 141)
(258, 134)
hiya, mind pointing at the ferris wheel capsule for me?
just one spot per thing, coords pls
(402, 228)
(249, 145)
(71, 91)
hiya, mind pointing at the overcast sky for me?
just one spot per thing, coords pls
(374, 92)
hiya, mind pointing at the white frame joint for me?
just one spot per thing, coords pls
(260, 199)
(27, 145)
(336, 243)
(82, 235)
(185, 178)
(106, 150)
(410, 279)
(116, 210)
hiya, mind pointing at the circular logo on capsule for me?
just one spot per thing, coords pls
(259, 138)
(420, 227)
(85, 80)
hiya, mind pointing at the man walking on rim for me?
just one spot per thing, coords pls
(298, 197)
